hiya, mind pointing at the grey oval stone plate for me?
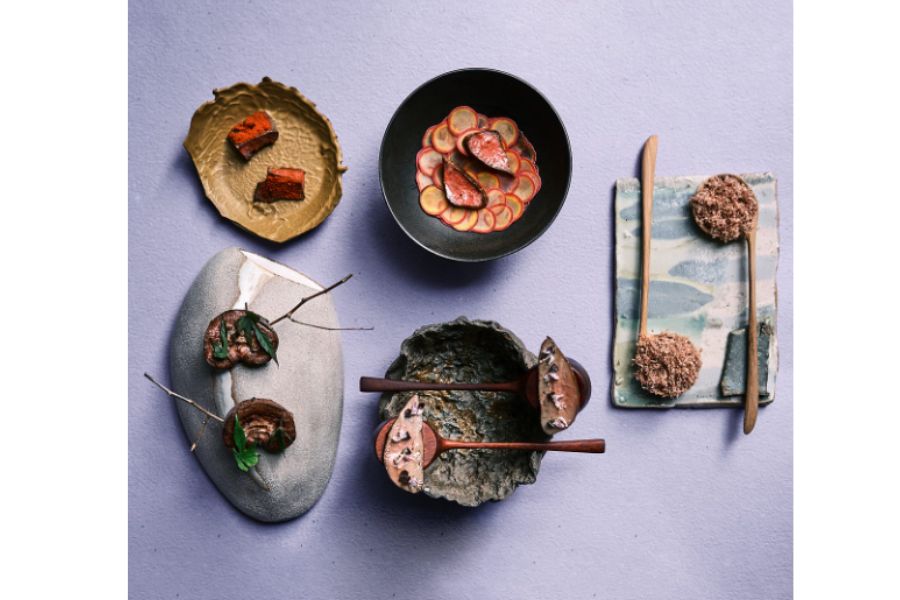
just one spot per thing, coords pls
(470, 351)
(308, 382)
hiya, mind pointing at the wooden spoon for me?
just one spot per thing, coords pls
(433, 444)
(526, 385)
(751, 397)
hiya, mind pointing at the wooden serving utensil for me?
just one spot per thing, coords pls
(525, 386)
(434, 445)
(751, 396)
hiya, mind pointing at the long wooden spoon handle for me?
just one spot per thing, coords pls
(595, 446)
(648, 172)
(752, 386)
(377, 384)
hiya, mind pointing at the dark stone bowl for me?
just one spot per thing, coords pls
(495, 94)
(470, 351)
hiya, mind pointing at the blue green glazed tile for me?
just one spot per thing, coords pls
(698, 288)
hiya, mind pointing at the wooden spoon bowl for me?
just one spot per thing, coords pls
(434, 445)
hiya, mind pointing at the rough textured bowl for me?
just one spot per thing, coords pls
(306, 140)
(470, 351)
(495, 94)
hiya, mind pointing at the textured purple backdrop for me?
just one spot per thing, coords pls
(681, 506)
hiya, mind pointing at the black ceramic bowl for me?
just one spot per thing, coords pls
(495, 94)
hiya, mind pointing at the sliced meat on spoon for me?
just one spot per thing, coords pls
(461, 189)
(403, 449)
(487, 146)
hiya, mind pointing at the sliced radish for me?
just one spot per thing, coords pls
(453, 215)
(488, 180)
(503, 216)
(427, 159)
(437, 176)
(433, 201)
(507, 182)
(526, 149)
(461, 140)
(507, 129)
(426, 139)
(482, 121)
(515, 203)
(422, 180)
(468, 221)
(514, 162)
(485, 223)
(526, 166)
(442, 140)
(524, 188)
(462, 118)
(535, 179)
(496, 197)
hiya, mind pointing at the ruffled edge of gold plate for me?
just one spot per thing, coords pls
(306, 140)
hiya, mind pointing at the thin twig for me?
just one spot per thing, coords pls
(200, 433)
(211, 415)
(293, 320)
(290, 313)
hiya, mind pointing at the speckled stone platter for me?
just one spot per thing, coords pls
(306, 140)
(308, 380)
(698, 288)
(470, 351)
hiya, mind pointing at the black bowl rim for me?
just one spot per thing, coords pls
(549, 221)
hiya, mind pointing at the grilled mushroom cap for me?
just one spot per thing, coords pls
(261, 420)
(240, 349)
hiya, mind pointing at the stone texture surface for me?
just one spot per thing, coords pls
(682, 505)
(308, 381)
(470, 351)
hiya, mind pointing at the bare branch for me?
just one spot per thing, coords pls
(209, 414)
(293, 320)
(200, 434)
(303, 301)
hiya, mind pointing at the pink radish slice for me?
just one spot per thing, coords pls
(514, 162)
(427, 159)
(462, 118)
(468, 222)
(461, 140)
(526, 166)
(496, 197)
(426, 139)
(486, 220)
(422, 180)
(507, 129)
(442, 140)
(527, 150)
(438, 176)
(503, 217)
(488, 180)
(524, 188)
(482, 121)
(433, 201)
(535, 179)
(515, 203)
(453, 215)
(507, 182)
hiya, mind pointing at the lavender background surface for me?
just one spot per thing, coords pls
(681, 506)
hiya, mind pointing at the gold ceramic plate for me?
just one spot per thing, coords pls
(306, 140)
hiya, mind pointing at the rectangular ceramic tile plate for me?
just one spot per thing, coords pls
(698, 288)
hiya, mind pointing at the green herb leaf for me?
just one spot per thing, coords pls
(280, 439)
(266, 343)
(220, 350)
(240, 438)
(246, 458)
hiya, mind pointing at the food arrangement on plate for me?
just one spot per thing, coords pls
(467, 411)
(476, 173)
(268, 159)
